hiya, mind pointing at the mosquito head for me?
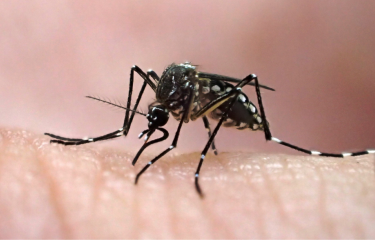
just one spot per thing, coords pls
(157, 116)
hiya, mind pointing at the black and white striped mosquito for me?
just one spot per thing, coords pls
(188, 95)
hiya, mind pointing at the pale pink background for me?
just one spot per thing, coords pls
(318, 55)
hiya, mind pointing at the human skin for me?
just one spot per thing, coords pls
(53, 191)
(318, 56)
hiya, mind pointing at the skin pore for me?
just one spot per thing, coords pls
(318, 55)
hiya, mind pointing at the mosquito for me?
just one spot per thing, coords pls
(188, 94)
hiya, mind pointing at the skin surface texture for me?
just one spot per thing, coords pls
(52, 191)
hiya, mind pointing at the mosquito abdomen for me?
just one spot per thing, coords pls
(243, 113)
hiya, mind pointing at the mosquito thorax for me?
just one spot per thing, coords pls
(172, 88)
(157, 116)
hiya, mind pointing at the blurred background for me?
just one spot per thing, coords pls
(318, 55)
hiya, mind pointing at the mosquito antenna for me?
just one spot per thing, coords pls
(113, 104)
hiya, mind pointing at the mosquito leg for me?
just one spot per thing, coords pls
(152, 73)
(173, 145)
(146, 145)
(156, 79)
(175, 139)
(268, 135)
(311, 152)
(128, 120)
(234, 94)
(78, 141)
(246, 81)
(217, 102)
(207, 126)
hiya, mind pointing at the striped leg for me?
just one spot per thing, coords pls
(128, 121)
(128, 118)
(341, 155)
(207, 126)
(232, 97)
(78, 141)
(269, 136)
(173, 145)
